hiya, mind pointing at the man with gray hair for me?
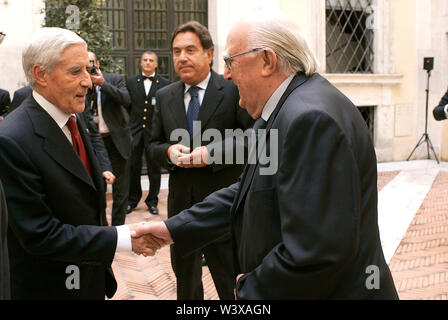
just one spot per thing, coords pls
(308, 231)
(59, 244)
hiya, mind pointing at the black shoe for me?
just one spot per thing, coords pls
(129, 209)
(153, 210)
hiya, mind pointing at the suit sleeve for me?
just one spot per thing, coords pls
(318, 196)
(439, 111)
(35, 225)
(116, 89)
(205, 222)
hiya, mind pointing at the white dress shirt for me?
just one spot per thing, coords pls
(60, 117)
(202, 86)
(270, 105)
(148, 83)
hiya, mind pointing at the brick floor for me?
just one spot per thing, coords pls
(150, 278)
(419, 265)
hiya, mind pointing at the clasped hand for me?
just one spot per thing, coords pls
(180, 156)
(148, 237)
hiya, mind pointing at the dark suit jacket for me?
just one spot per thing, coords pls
(310, 230)
(95, 138)
(5, 290)
(219, 110)
(115, 103)
(19, 96)
(439, 112)
(5, 101)
(56, 213)
(142, 106)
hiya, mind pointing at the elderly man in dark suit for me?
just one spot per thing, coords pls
(109, 101)
(142, 89)
(5, 102)
(60, 246)
(309, 229)
(217, 108)
(441, 111)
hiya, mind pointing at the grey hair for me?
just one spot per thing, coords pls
(286, 39)
(45, 48)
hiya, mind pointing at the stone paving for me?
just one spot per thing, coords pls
(413, 220)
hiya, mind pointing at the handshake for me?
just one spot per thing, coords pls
(148, 237)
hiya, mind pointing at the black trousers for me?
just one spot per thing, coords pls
(154, 176)
(188, 271)
(121, 185)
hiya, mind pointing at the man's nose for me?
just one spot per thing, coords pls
(86, 80)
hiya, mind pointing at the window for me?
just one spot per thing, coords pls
(349, 36)
(140, 25)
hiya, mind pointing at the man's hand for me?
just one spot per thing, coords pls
(109, 177)
(197, 159)
(145, 244)
(97, 79)
(234, 290)
(176, 151)
(156, 229)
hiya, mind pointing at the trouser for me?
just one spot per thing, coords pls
(188, 271)
(121, 185)
(154, 176)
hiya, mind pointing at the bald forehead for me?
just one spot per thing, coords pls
(237, 38)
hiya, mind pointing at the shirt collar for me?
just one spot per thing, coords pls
(202, 85)
(153, 75)
(59, 116)
(270, 105)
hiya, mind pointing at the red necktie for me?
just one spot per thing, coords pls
(77, 142)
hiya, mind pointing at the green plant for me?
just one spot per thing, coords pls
(84, 18)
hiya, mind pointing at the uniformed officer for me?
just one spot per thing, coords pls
(142, 88)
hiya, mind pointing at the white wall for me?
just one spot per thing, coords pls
(18, 19)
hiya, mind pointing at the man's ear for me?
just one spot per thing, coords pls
(270, 62)
(40, 75)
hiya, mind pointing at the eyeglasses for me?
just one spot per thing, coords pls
(228, 60)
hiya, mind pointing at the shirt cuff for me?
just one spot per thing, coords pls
(124, 243)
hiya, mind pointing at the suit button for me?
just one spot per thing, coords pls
(144, 118)
(146, 102)
(144, 126)
(146, 110)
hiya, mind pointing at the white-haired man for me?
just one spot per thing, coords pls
(308, 231)
(59, 244)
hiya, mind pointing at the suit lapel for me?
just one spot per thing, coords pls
(250, 169)
(140, 85)
(177, 106)
(212, 99)
(56, 144)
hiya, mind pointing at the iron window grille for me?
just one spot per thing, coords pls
(349, 36)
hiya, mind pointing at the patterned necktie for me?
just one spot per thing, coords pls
(78, 144)
(193, 108)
